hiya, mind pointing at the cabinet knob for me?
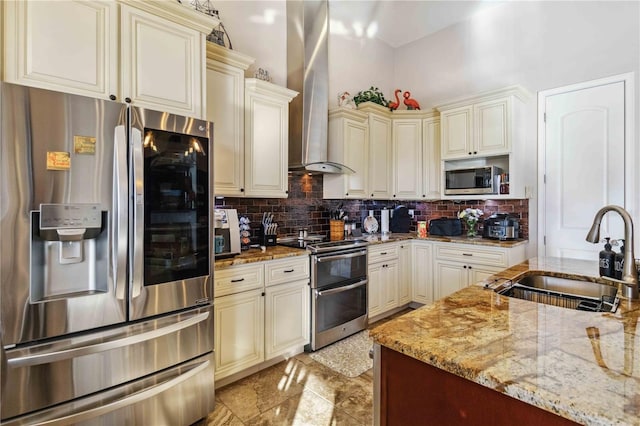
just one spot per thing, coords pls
(347, 194)
(112, 97)
(371, 195)
(424, 195)
(286, 192)
(475, 152)
(241, 189)
(127, 100)
(464, 266)
(469, 266)
(469, 152)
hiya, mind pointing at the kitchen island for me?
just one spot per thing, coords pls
(493, 354)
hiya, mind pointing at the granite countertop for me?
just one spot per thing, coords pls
(257, 255)
(278, 252)
(583, 366)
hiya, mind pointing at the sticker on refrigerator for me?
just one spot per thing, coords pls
(84, 145)
(57, 160)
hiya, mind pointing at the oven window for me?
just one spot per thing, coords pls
(332, 270)
(176, 216)
(337, 308)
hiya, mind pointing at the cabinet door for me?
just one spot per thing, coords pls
(431, 164)
(491, 121)
(480, 273)
(449, 278)
(356, 156)
(422, 280)
(225, 108)
(375, 289)
(407, 158)
(390, 275)
(68, 46)
(380, 158)
(456, 133)
(162, 63)
(239, 332)
(287, 323)
(266, 140)
(404, 273)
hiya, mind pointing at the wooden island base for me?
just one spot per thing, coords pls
(415, 393)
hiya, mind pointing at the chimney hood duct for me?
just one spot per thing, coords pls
(308, 74)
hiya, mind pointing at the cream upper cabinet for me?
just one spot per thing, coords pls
(349, 145)
(407, 158)
(266, 138)
(162, 63)
(431, 164)
(380, 151)
(481, 125)
(456, 126)
(149, 53)
(225, 108)
(68, 46)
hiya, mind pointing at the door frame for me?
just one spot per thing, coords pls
(630, 175)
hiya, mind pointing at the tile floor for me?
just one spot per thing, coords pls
(299, 391)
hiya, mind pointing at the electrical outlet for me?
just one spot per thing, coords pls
(412, 213)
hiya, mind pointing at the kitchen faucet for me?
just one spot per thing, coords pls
(629, 272)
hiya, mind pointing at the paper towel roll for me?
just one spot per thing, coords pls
(384, 221)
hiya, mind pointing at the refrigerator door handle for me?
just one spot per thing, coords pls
(127, 401)
(49, 357)
(119, 232)
(137, 226)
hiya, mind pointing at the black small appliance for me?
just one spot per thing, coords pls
(501, 226)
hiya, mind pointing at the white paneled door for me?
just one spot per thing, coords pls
(582, 165)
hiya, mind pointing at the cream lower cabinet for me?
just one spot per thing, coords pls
(456, 266)
(266, 139)
(383, 274)
(150, 54)
(422, 277)
(261, 312)
(239, 331)
(405, 275)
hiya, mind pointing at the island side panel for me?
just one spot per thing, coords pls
(415, 393)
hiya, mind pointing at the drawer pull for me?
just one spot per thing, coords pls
(289, 270)
(237, 280)
(383, 253)
(467, 254)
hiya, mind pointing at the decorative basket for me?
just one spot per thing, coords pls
(336, 230)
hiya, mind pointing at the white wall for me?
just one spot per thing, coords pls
(258, 28)
(539, 45)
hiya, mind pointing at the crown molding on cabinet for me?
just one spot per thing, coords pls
(176, 12)
(227, 56)
(516, 90)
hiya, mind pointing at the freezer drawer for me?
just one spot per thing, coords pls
(39, 376)
(177, 396)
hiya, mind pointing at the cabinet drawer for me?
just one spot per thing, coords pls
(286, 270)
(238, 278)
(491, 256)
(382, 252)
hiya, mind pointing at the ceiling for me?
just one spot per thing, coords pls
(398, 22)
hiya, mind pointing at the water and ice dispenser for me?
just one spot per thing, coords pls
(69, 251)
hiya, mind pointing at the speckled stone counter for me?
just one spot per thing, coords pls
(377, 239)
(257, 255)
(583, 366)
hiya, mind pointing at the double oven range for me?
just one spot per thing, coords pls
(339, 286)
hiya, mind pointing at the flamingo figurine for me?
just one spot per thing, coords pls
(396, 104)
(410, 102)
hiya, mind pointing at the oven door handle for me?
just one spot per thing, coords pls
(341, 256)
(341, 289)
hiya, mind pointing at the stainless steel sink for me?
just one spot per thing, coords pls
(564, 292)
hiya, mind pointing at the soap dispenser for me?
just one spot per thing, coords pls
(619, 262)
(607, 260)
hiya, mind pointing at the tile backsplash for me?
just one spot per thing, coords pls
(305, 208)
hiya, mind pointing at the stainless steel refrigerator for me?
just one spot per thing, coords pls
(106, 294)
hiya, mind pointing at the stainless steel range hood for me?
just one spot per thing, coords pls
(308, 74)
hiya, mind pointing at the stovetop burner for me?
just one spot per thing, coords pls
(319, 246)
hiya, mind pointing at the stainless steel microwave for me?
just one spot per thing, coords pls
(476, 180)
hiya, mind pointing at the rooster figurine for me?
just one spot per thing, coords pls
(410, 102)
(396, 104)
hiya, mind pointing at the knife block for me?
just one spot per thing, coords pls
(336, 230)
(267, 239)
